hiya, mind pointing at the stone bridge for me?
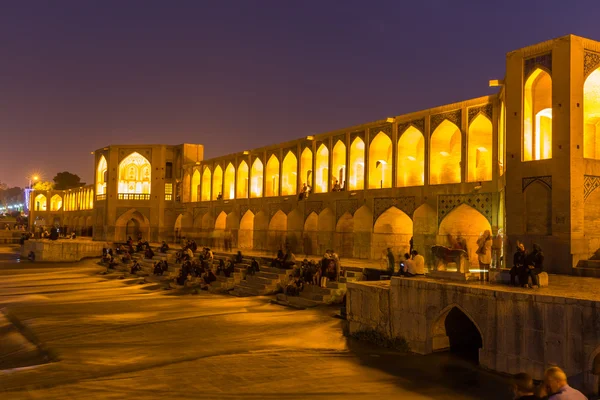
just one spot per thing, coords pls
(505, 329)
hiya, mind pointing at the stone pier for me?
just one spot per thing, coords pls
(63, 250)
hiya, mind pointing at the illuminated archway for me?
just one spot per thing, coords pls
(380, 162)
(537, 116)
(217, 188)
(277, 231)
(257, 177)
(55, 202)
(101, 173)
(392, 229)
(344, 236)
(322, 169)
(338, 165)
(229, 185)
(242, 181)
(411, 158)
(134, 176)
(363, 228)
(131, 223)
(196, 185)
(479, 161)
(40, 202)
(289, 174)
(272, 178)
(306, 160)
(187, 186)
(445, 155)
(311, 235)
(357, 164)
(205, 185)
(591, 116)
(246, 233)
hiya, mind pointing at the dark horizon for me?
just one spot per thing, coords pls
(82, 75)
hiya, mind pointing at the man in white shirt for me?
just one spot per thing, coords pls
(419, 262)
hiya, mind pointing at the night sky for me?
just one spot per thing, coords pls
(78, 75)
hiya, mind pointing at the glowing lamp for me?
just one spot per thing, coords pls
(411, 158)
(444, 153)
(310, 137)
(481, 149)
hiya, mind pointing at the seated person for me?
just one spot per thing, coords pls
(295, 286)
(419, 262)
(278, 261)
(254, 267)
(221, 267)
(111, 262)
(135, 268)
(164, 247)
(188, 254)
(209, 277)
(158, 270)
(183, 275)
(229, 268)
(238, 258)
(73, 236)
(126, 257)
(139, 246)
(148, 254)
(289, 260)
(165, 266)
(407, 266)
(193, 245)
(31, 256)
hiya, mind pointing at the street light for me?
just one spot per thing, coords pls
(35, 178)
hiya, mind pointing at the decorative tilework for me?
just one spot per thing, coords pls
(387, 129)
(354, 135)
(271, 153)
(342, 138)
(343, 206)
(224, 208)
(293, 150)
(453, 116)
(249, 207)
(274, 207)
(482, 202)
(544, 60)
(590, 183)
(417, 123)
(312, 206)
(486, 110)
(546, 180)
(591, 61)
(405, 204)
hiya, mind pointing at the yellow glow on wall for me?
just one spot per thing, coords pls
(257, 176)
(537, 117)
(272, 177)
(445, 156)
(229, 185)
(411, 158)
(40, 202)
(242, 181)
(55, 203)
(206, 179)
(196, 185)
(591, 116)
(134, 174)
(479, 161)
(338, 164)
(306, 160)
(217, 188)
(101, 172)
(380, 162)
(357, 164)
(187, 186)
(322, 168)
(289, 174)
(501, 138)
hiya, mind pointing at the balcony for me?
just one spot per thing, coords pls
(133, 196)
(100, 197)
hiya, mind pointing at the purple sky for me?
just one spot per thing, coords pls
(79, 75)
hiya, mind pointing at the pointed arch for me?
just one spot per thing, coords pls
(206, 181)
(229, 185)
(344, 235)
(242, 181)
(363, 228)
(135, 175)
(480, 147)
(130, 223)
(357, 164)
(257, 176)
(187, 187)
(101, 178)
(277, 231)
(55, 203)
(40, 202)
(380, 162)
(221, 221)
(392, 229)
(306, 166)
(411, 158)
(217, 186)
(196, 194)
(326, 230)
(591, 116)
(424, 229)
(310, 237)
(455, 329)
(445, 154)
(289, 174)
(261, 229)
(246, 232)
(321, 169)
(537, 116)
(338, 165)
(272, 177)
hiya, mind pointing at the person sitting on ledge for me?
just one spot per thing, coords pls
(518, 268)
(238, 259)
(229, 268)
(555, 380)
(209, 276)
(164, 247)
(407, 266)
(149, 253)
(254, 267)
(295, 286)
(158, 268)
(126, 258)
(31, 256)
(139, 246)
(289, 260)
(73, 236)
(534, 263)
(220, 196)
(111, 262)
(419, 262)
(135, 268)
(336, 186)
(523, 387)
(278, 261)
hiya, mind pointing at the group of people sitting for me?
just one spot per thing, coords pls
(312, 273)
(160, 267)
(527, 265)
(188, 247)
(284, 261)
(304, 192)
(413, 264)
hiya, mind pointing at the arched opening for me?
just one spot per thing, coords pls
(229, 186)
(310, 239)
(380, 162)
(206, 180)
(134, 177)
(480, 150)
(338, 165)
(289, 174)
(177, 229)
(306, 161)
(131, 223)
(455, 331)
(242, 181)
(277, 231)
(246, 233)
(40, 202)
(392, 229)
(272, 179)
(538, 209)
(357, 164)
(344, 236)
(445, 155)
(363, 228)
(261, 228)
(217, 189)
(411, 158)
(196, 193)
(55, 203)
(101, 172)
(326, 230)
(218, 233)
(322, 169)
(591, 116)
(187, 187)
(257, 177)
(424, 230)
(467, 223)
(591, 222)
(537, 116)
(295, 225)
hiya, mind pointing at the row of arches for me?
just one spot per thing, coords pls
(82, 199)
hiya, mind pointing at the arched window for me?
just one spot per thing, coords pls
(479, 162)
(591, 116)
(289, 174)
(322, 169)
(40, 202)
(306, 160)
(242, 181)
(217, 183)
(411, 158)
(55, 203)
(206, 175)
(101, 176)
(134, 177)
(196, 186)
(445, 155)
(537, 117)
(272, 179)
(338, 165)
(380, 162)
(229, 185)
(357, 164)
(257, 175)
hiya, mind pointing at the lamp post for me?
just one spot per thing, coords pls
(34, 178)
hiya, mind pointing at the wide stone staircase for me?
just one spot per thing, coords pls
(268, 281)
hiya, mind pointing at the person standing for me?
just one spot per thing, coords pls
(484, 253)
(391, 261)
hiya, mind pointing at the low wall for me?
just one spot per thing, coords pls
(10, 237)
(520, 332)
(63, 250)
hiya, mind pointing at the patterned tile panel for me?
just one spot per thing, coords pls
(546, 180)
(405, 204)
(590, 183)
(343, 206)
(544, 60)
(486, 110)
(418, 124)
(591, 61)
(482, 202)
(312, 206)
(453, 116)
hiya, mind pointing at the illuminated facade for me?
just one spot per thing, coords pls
(523, 163)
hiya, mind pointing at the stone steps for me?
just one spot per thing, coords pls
(295, 302)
